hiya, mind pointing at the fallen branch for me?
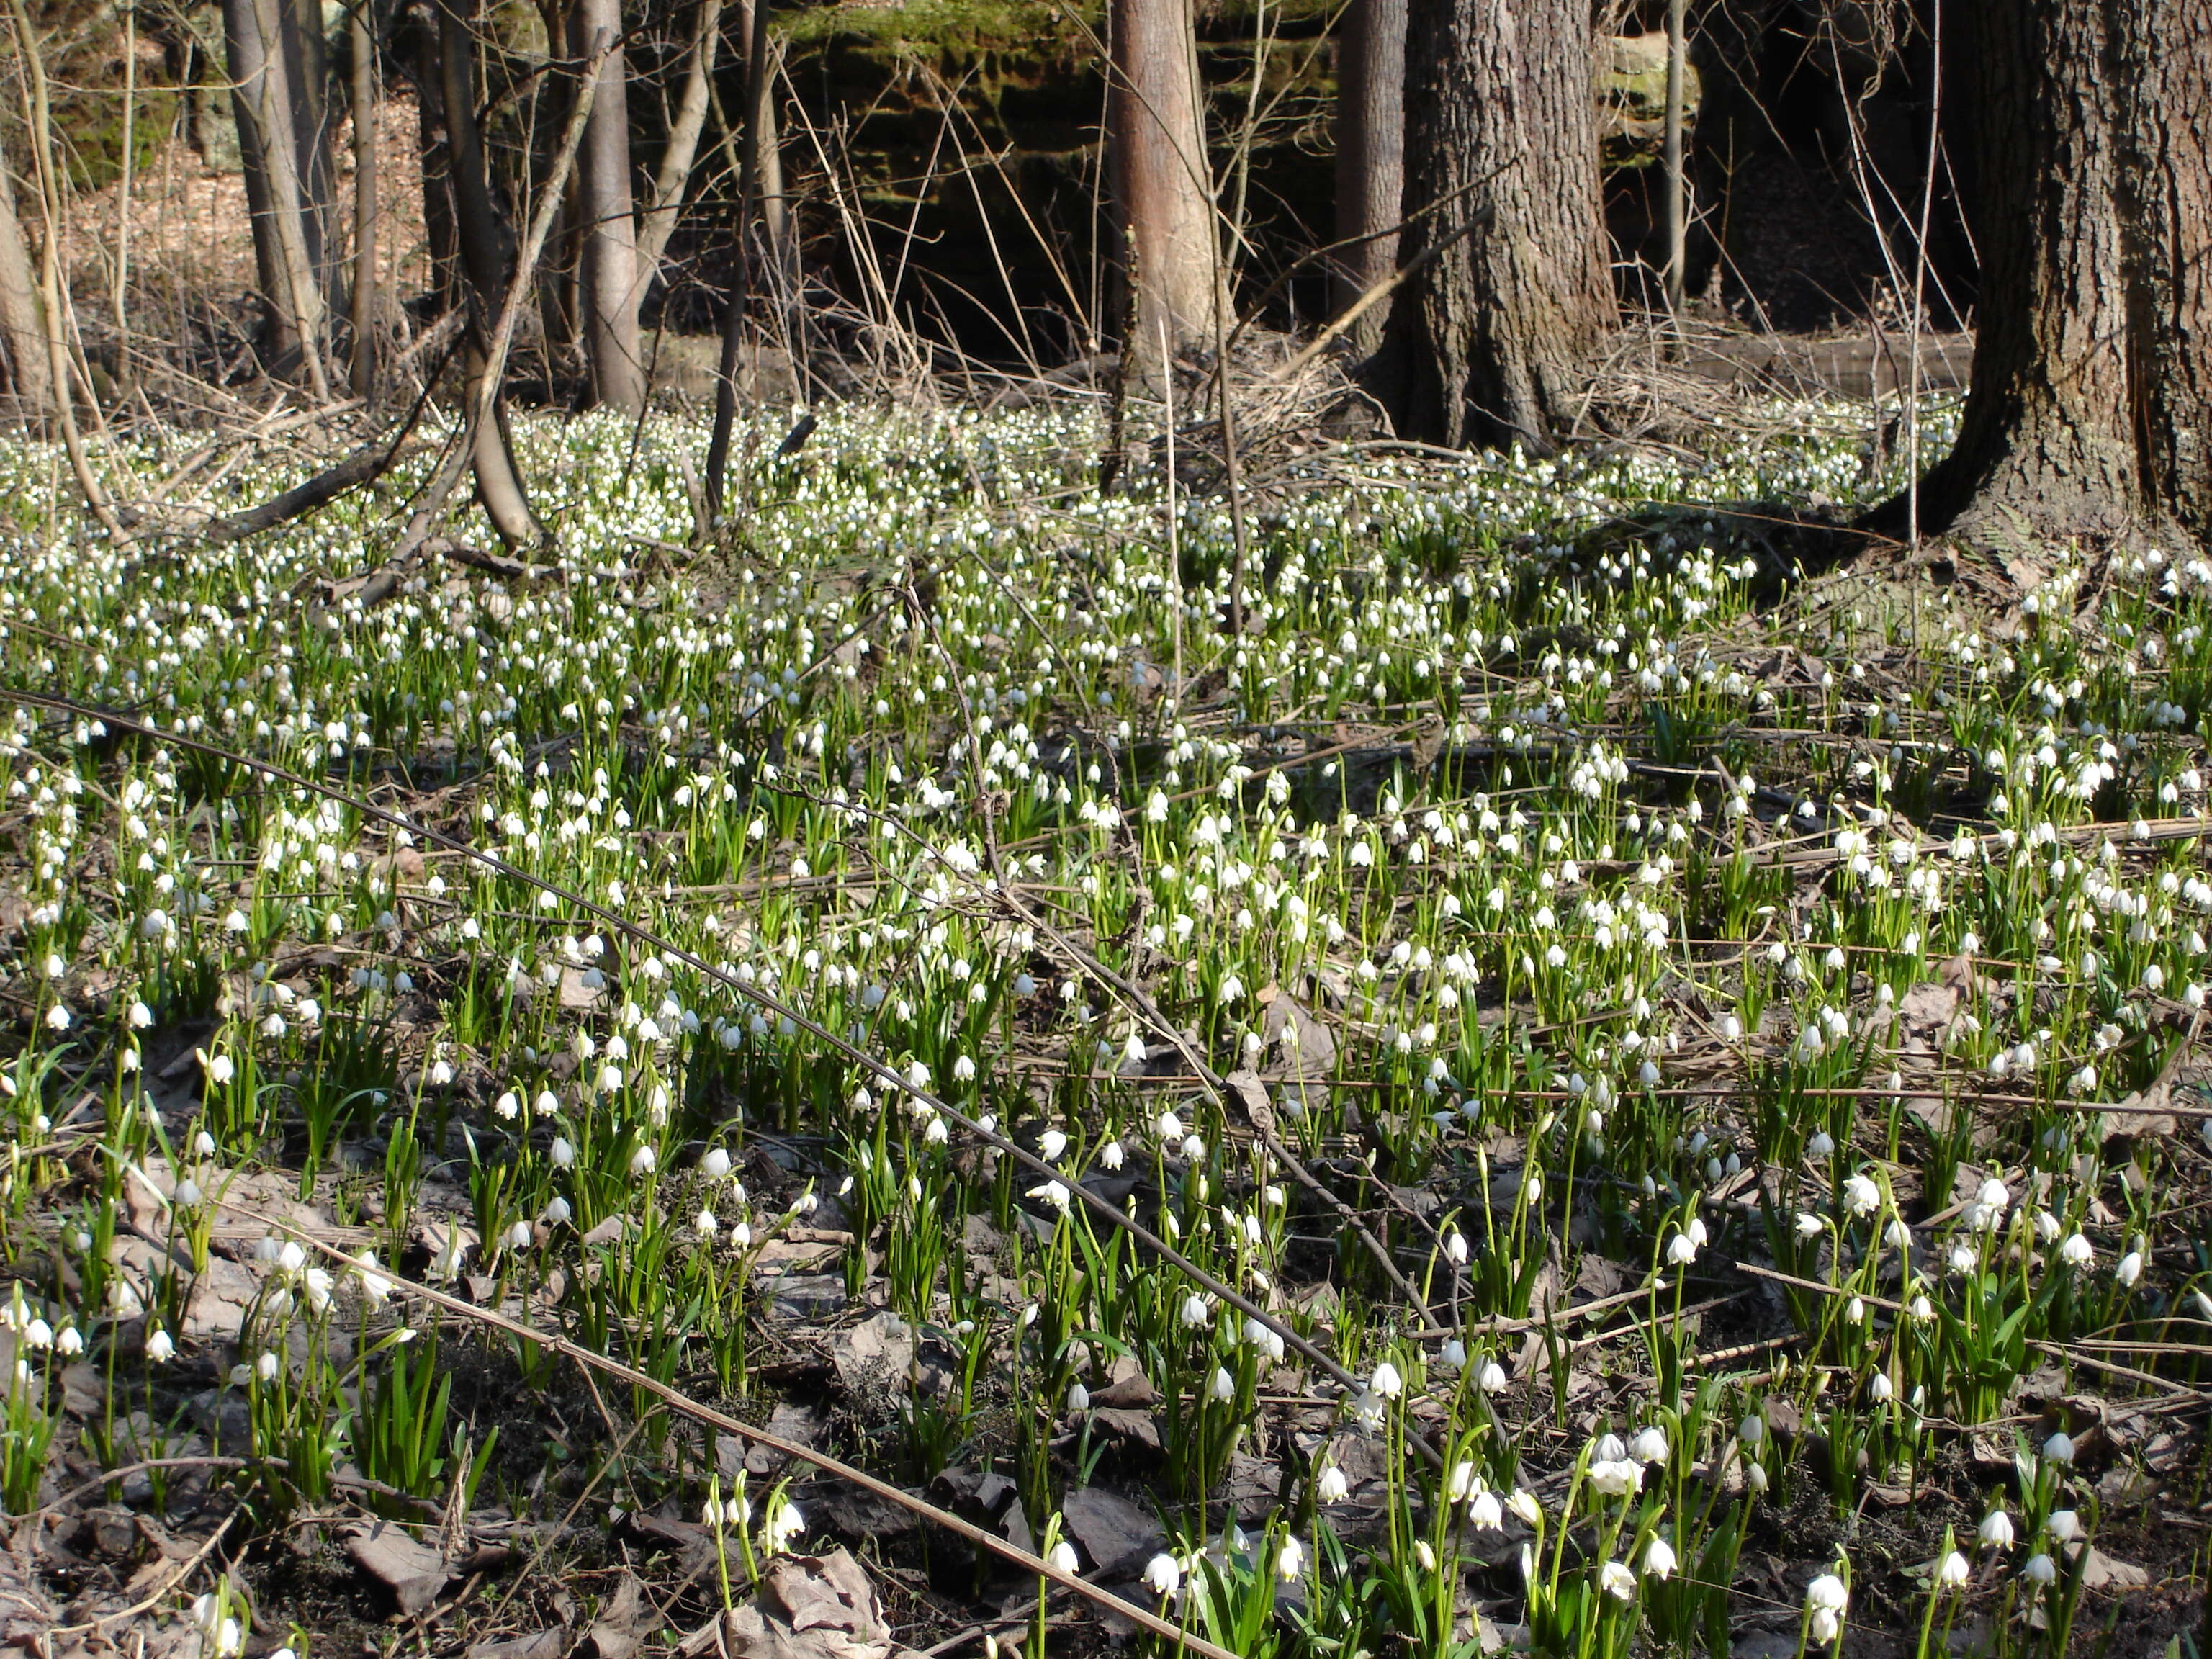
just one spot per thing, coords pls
(1030, 1564)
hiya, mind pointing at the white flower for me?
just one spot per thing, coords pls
(2059, 1449)
(1617, 1581)
(2076, 1251)
(2065, 1525)
(2038, 1569)
(1078, 1397)
(1330, 1486)
(1386, 1381)
(642, 1160)
(1951, 1570)
(1827, 1599)
(2130, 1269)
(1163, 1575)
(160, 1348)
(1290, 1560)
(1616, 1478)
(1659, 1557)
(1062, 1557)
(1809, 1224)
(1752, 1429)
(1879, 1387)
(784, 1523)
(715, 1165)
(1050, 1145)
(1224, 1386)
(1995, 1530)
(1861, 1196)
(562, 1153)
(1649, 1445)
(1491, 1377)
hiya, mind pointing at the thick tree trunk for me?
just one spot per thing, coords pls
(23, 323)
(2090, 410)
(1162, 191)
(1370, 157)
(1491, 340)
(611, 339)
(487, 259)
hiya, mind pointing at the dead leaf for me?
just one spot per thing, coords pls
(614, 1633)
(541, 1644)
(583, 988)
(1252, 1095)
(1131, 1426)
(798, 1424)
(1308, 1049)
(809, 1607)
(1112, 1533)
(880, 1350)
(410, 1569)
(2102, 1571)
(1126, 1385)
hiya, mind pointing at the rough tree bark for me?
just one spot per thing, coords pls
(1489, 340)
(759, 152)
(363, 42)
(23, 323)
(1162, 200)
(1370, 157)
(612, 343)
(487, 259)
(272, 69)
(2090, 410)
(657, 222)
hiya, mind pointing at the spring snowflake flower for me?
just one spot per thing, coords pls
(1659, 1558)
(1826, 1599)
(1163, 1575)
(1484, 1513)
(2059, 1449)
(1649, 1445)
(1385, 1383)
(1616, 1580)
(2065, 1525)
(1995, 1531)
(160, 1348)
(1062, 1557)
(1290, 1560)
(1330, 1486)
(2076, 1251)
(1951, 1570)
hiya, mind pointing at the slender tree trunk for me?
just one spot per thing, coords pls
(23, 323)
(416, 32)
(1162, 200)
(487, 251)
(1490, 341)
(363, 43)
(657, 222)
(611, 336)
(759, 111)
(1676, 181)
(2090, 410)
(267, 63)
(1370, 157)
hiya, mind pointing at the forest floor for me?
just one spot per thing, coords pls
(1599, 1079)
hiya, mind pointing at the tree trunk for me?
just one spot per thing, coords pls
(1370, 157)
(757, 146)
(611, 339)
(1162, 191)
(1490, 341)
(487, 251)
(657, 222)
(363, 42)
(269, 63)
(22, 324)
(2090, 410)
